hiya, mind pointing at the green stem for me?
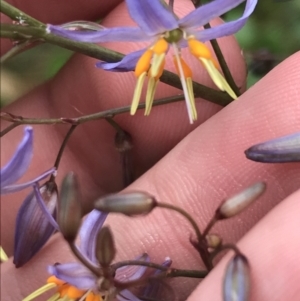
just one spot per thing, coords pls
(17, 15)
(103, 54)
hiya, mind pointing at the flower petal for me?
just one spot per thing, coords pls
(129, 34)
(127, 295)
(18, 187)
(20, 161)
(152, 16)
(132, 272)
(32, 228)
(228, 28)
(204, 14)
(128, 63)
(280, 150)
(74, 274)
(88, 233)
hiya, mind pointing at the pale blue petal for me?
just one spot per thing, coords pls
(128, 34)
(128, 63)
(280, 150)
(204, 14)
(75, 274)
(18, 187)
(152, 16)
(20, 161)
(88, 233)
(228, 28)
(32, 228)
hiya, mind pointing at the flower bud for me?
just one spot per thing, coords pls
(105, 247)
(240, 201)
(213, 240)
(123, 141)
(69, 207)
(237, 279)
(130, 204)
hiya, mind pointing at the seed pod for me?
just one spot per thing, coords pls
(130, 204)
(105, 247)
(213, 240)
(240, 201)
(69, 207)
(237, 279)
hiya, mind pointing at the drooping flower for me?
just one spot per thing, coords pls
(159, 25)
(280, 150)
(18, 165)
(74, 281)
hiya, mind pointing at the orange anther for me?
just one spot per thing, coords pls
(161, 46)
(92, 297)
(186, 69)
(143, 63)
(199, 49)
(63, 290)
(53, 279)
(75, 293)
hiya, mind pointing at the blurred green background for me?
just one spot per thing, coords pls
(271, 34)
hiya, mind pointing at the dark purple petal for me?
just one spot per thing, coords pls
(228, 28)
(32, 227)
(204, 14)
(132, 272)
(128, 34)
(237, 280)
(20, 161)
(128, 63)
(88, 233)
(18, 187)
(74, 274)
(280, 150)
(152, 16)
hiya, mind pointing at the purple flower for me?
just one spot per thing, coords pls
(280, 150)
(162, 28)
(18, 165)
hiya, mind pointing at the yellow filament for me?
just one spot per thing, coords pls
(152, 84)
(137, 93)
(40, 291)
(53, 279)
(186, 69)
(199, 49)
(157, 64)
(143, 63)
(54, 297)
(217, 77)
(190, 89)
(3, 256)
(161, 46)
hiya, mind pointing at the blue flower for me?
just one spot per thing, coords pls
(74, 281)
(18, 165)
(159, 25)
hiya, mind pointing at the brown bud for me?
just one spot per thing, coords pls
(133, 203)
(105, 247)
(240, 201)
(69, 207)
(213, 240)
(123, 141)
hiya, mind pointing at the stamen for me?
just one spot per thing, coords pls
(92, 297)
(152, 84)
(54, 297)
(40, 291)
(161, 46)
(75, 293)
(199, 49)
(3, 256)
(137, 93)
(53, 279)
(143, 63)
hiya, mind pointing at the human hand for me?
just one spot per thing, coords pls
(202, 169)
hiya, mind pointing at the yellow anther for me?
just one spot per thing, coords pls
(137, 93)
(3, 256)
(199, 49)
(53, 279)
(63, 290)
(143, 63)
(74, 293)
(186, 69)
(161, 46)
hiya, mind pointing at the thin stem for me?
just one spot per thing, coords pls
(222, 248)
(185, 214)
(9, 128)
(83, 260)
(114, 124)
(79, 120)
(62, 148)
(14, 51)
(227, 74)
(209, 225)
(18, 15)
(104, 54)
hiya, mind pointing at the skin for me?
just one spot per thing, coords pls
(200, 165)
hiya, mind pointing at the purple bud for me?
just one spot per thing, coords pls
(33, 228)
(133, 203)
(237, 279)
(280, 150)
